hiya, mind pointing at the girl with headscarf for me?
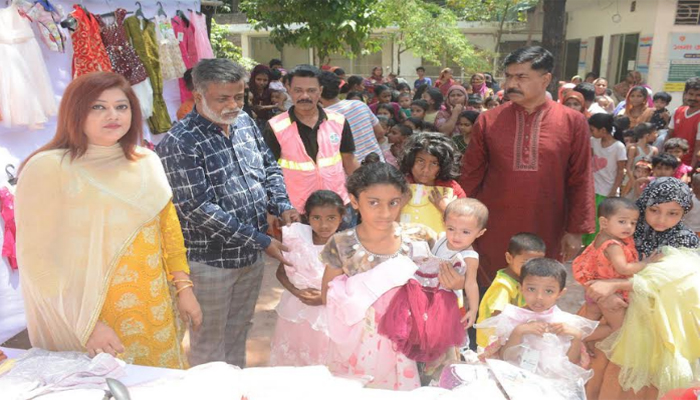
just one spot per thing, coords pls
(455, 103)
(259, 85)
(669, 198)
(444, 82)
(479, 87)
(662, 316)
(574, 100)
(636, 106)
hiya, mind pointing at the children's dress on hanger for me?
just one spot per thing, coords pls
(125, 61)
(89, 54)
(26, 94)
(172, 65)
(7, 212)
(184, 32)
(143, 36)
(201, 37)
(48, 24)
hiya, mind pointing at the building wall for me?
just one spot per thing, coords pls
(652, 18)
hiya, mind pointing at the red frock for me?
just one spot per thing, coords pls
(89, 54)
(533, 172)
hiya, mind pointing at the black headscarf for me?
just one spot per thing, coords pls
(664, 190)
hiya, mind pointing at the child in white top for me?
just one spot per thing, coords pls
(465, 221)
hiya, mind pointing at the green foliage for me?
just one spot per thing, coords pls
(431, 32)
(492, 10)
(328, 26)
(223, 48)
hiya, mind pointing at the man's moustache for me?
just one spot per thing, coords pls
(304, 101)
(510, 91)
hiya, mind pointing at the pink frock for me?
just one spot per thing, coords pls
(201, 38)
(184, 33)
(358, 299)
(301, 335)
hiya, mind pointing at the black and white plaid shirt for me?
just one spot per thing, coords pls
(222, 189)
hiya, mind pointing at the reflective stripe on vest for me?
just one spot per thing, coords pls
(310, 165)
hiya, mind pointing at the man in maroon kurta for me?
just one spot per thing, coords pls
(529, 162)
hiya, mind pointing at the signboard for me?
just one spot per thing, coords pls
(644, 54)
(684, 56)
(674, 86)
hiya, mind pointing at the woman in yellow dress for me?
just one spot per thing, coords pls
(103, 262)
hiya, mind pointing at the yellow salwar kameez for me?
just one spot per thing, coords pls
(139, 306)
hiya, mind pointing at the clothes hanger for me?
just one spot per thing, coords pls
(111, 13)
(181, 15)
(11, 171)
(161, 11)
(139, 11)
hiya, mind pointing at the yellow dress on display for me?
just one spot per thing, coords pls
(139, 303)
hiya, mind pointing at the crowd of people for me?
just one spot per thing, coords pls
(412, 225)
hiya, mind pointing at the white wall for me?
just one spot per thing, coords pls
(588, 19)
(591, 18)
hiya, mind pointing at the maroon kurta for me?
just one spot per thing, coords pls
(533, 173)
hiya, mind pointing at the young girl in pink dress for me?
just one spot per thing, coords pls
(365, 267)
(301, 334)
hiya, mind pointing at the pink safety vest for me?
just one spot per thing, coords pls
(302, 175)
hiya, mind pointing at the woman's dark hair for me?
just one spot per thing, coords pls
(324, 198)
(470, 115)
(274, 62)
(541, 58)
(419, 92)
(435, 144)
(640, 89)
(591, 75)
(371, 158)
(376, 174)
(389, 108)
(436, 95)
(354, 95)
(339, 71)
(602, 121)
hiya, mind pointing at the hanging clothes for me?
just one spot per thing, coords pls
(26, 96)
(47, 19)
(7, 211)
(184, 32)
(142, 34)
(201, 36)
(125, 61)
(89, 53)
(172, 65)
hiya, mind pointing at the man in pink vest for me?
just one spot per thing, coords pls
(314, 147)
(685, 123)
